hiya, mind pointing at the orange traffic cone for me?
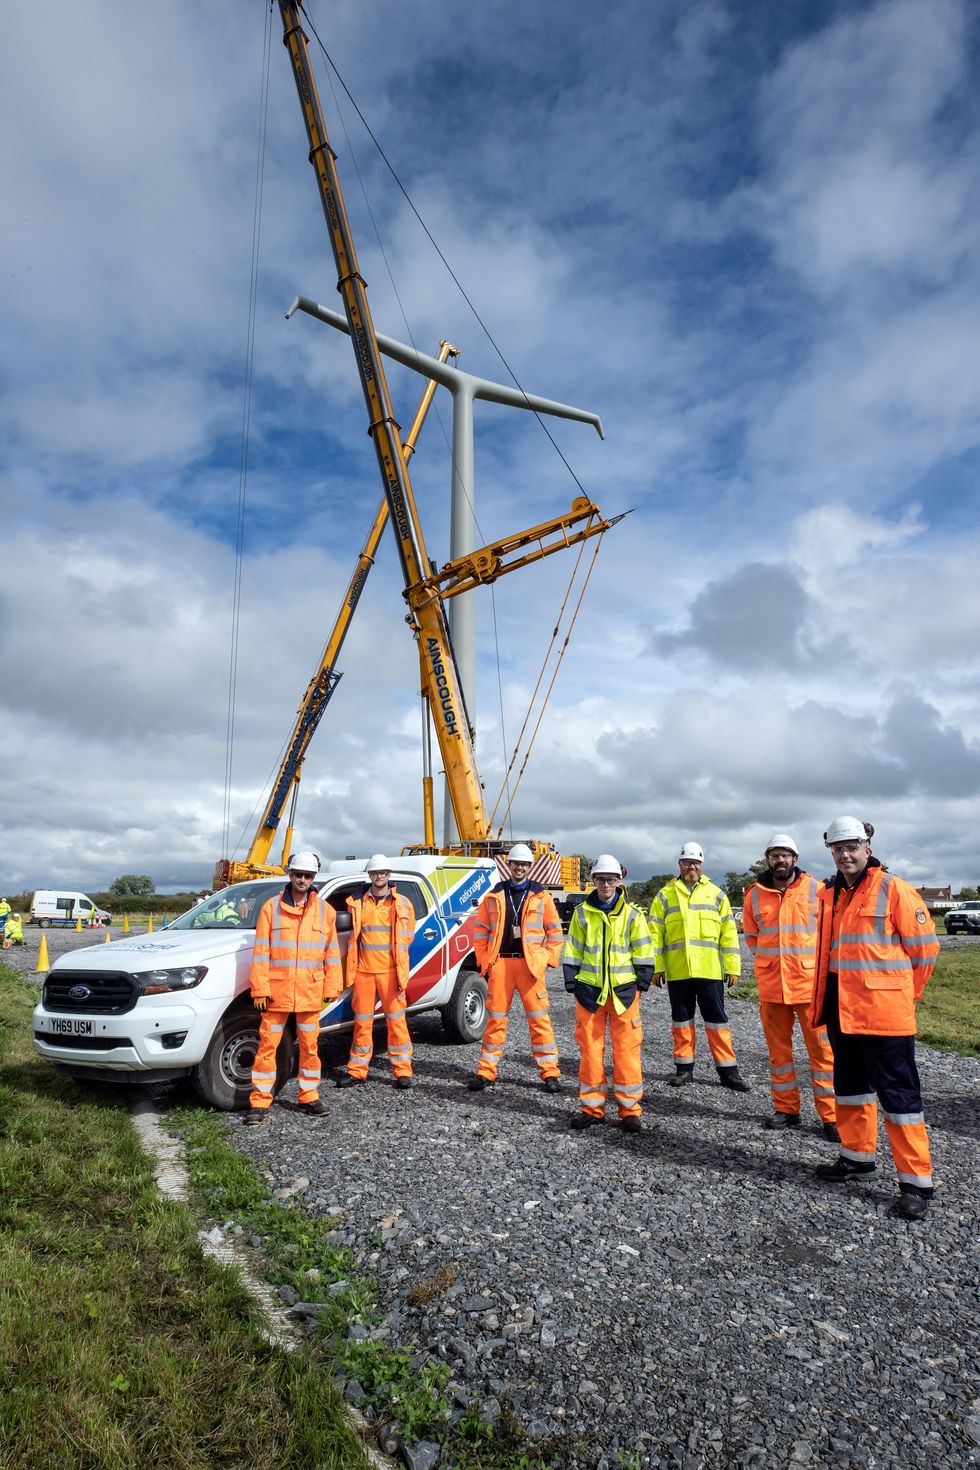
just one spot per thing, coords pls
(43, 963)
(125, 923)
(149, 925)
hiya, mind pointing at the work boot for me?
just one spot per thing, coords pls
(910, 1206)
(403, 1083)
(479, 1083)
(255, 1115)
(842, 1170)
(314, 1109)
(551, 1084)
(729, 1077)
(683, 1077)
(632, 1124)
(583, 1120)
(829, 1131)
(348, 1081)
(783, 1120)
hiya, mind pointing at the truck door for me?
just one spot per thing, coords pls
(427, 956)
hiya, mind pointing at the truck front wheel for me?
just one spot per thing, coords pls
(464, 1016)
(223, 1077)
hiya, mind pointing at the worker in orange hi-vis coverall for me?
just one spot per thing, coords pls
(517, 938)
(377, 969)
(876, 949)
(779, 921)
(295, 970)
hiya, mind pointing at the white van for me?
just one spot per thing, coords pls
(147, 1008)
(51, 906)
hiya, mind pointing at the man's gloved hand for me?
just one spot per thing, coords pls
(643, 983)
(571, 978)
(731, 981)
(660, 981)
(260, 1002)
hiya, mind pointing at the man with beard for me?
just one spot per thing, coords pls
(779, 921)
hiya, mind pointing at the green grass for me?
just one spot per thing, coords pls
(123, 1346)
(948, 1014)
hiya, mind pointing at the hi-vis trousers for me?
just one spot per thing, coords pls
(369, 987)
(867, 1068)
(777, 1023)
(710, 998)
(506, 976)
(271, 1026)
(626, 1034)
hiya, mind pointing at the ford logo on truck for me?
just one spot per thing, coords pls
(79, 992)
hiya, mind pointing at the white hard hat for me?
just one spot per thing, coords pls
(692, 850)
(846, 829)
(377, 864)
(304, 862)
(520, 853)
(783, 839)
(606, 864)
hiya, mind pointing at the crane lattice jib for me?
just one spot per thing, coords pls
(440, 675)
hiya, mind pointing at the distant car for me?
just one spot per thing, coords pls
(737, 916)
(965, 919)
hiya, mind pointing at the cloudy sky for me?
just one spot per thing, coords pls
(747, 235)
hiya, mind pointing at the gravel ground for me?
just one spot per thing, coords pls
(691, 1297)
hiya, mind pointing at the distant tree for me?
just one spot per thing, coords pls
(133, 885)
(643, 894)
(969, 893)
(585, 867)
(735, 884)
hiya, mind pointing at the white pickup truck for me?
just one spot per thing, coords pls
(148, 1008)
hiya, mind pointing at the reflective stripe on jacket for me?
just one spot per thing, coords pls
(296, 959)
(607, 951)
(397, 939)
(541, 937)
(880, 941)
(780, 929)
(694, 933)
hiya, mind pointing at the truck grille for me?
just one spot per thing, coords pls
(110, 992)
(83, 1043)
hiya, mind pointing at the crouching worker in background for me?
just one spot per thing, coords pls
(608, 960)
(295, 971)
(14, 932)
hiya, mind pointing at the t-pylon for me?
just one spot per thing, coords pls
(78, 925)
(43, 963)
(125, 923)
(106, 940)
(149, 925)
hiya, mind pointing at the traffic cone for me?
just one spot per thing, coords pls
(125, 923)
(43, 963)
(106, 940)
(78, 925)
(149, 925)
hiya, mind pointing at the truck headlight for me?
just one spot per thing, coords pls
(158, 982)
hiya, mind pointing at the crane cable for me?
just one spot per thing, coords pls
(544, 705)
(246, 422)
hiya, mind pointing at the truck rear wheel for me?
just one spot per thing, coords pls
(44, 923)
(464, 1016)
(223, 1077)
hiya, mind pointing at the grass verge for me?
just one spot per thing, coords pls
(948, 1014)
(124, 1347)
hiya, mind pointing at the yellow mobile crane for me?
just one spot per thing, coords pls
(425, 589)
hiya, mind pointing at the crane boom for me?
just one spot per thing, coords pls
(439, 673)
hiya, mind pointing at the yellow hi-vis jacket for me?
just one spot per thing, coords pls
(608, 953)
(694, 933)
(541, 939)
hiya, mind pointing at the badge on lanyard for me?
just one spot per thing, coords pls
(515, 930)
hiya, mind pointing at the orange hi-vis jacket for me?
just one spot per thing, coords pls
(880, 941)
(370, 939)
(296, 959)
(541, 936)
(781, 931)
